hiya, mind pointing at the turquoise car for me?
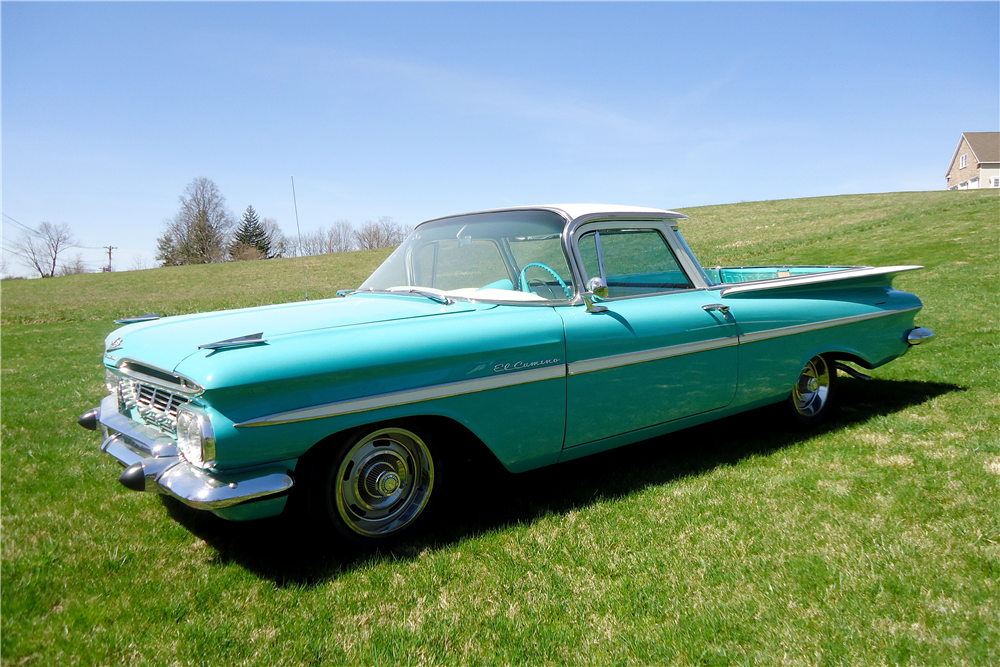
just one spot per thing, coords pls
(499, 329)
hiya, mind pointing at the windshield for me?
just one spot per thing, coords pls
(503, 256)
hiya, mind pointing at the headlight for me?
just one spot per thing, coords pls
(195, 437)
(111, 382)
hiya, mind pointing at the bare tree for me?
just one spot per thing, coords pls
(383, 233)
(73, 267)
(199, 232)
(40, 247)
(340, 237)
(276, 240)
(139, 263)
(311, 243)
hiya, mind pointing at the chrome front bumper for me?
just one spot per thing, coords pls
(153, 463)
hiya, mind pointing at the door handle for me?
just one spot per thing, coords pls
(717, 306)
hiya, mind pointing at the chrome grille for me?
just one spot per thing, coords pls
(156, 406)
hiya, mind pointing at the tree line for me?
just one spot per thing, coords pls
(205, 231)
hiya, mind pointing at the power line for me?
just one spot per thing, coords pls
(35, 232)
(21, 254)
(23, 226)
(15, 252)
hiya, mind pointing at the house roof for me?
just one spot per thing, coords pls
(985, 147)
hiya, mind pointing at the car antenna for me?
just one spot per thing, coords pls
(298, 229)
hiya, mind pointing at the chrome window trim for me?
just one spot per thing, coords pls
(575, 300)
(663, 221)
(659, 223)
(640, 357)
(815, 326)
(405, 397)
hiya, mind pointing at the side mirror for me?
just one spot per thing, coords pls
(597, 289)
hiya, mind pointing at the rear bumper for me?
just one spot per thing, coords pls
(919, 335)
(153, 463)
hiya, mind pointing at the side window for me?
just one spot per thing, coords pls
(634, 262)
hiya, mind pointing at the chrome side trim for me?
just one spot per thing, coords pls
(408, 396)
(813, 326)
(614, 361)
(629, 358)
(814, 278)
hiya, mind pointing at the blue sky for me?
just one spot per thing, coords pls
(418, 110)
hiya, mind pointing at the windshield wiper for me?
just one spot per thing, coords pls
(437, 298)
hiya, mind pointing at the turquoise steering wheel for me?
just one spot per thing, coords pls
(523, 281)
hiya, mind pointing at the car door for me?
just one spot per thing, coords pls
(656, 353)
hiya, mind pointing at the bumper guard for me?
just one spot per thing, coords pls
(153, 463)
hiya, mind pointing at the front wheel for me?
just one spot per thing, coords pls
(377, 486)
(812, 396)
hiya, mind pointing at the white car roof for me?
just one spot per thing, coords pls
(574, 211)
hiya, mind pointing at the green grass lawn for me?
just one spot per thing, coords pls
(872, 541)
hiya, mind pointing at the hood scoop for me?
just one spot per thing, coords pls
(239, 341)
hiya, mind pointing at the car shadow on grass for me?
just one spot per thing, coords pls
(484, 498)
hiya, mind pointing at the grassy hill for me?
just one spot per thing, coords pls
(875, 540)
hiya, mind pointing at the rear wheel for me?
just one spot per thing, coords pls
(813, 393)
(376, 488)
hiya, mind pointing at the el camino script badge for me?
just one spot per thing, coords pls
(522, 365)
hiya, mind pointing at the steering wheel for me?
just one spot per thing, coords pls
(523, 281)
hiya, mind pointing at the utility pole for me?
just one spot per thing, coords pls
(109, 249)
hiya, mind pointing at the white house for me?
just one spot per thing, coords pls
(976, 162)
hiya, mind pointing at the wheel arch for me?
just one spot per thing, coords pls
(453, 438)
(837, 353)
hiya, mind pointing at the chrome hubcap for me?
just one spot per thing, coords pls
(813, 388)
(387, 483)
(384, 482)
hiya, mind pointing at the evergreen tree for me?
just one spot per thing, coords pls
(250, 234)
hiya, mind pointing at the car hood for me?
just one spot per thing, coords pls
(166, 342)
